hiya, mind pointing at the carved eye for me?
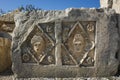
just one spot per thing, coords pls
(39, 44)
(35, 44)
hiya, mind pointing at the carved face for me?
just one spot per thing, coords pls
(77, 46)
(38, 44)
(37, 47)
(77, 43)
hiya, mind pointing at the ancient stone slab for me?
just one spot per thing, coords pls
(81, 78)
(68, 43)
(114, 4)
(106, 3)
(5, 51)
(7, 22)
(9, 17)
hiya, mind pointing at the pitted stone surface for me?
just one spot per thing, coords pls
(116, 7)
(68, 43)
(114, 4)
(9, 17)
(5, 51)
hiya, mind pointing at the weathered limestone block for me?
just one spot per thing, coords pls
(5, 51)
(9, 17)
(7, 22)
(68, 43)
(79, 78)
(6, 28)
(116, 7)
(106, 3)
(114, 4)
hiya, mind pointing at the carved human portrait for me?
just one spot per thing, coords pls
(38, 44)
(77, 43)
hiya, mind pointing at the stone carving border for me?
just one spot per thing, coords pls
(105, 44)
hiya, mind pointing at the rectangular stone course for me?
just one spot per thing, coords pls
(68, 43)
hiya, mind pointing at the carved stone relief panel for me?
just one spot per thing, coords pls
(68, 43)
(79, 43)
(78, 39)
(41, 49)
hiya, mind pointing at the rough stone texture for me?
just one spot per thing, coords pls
(9, 17)
(7, 22)
(103, 3)
(114, 4)
(6, 75)
(6, 28)
(99, 38)
(11, 77)
(80, 78)
(5, 50)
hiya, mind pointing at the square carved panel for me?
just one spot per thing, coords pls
(76, 44)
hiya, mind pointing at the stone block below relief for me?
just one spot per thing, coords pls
(68, 43)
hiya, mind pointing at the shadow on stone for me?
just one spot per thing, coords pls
(6, 72)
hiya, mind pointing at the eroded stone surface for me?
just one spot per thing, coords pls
(110, 4)
(114, 4)
(80, 78)
(5, 51)
(68, 43)
(9, 17)
(6, 28)
(116, 7)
